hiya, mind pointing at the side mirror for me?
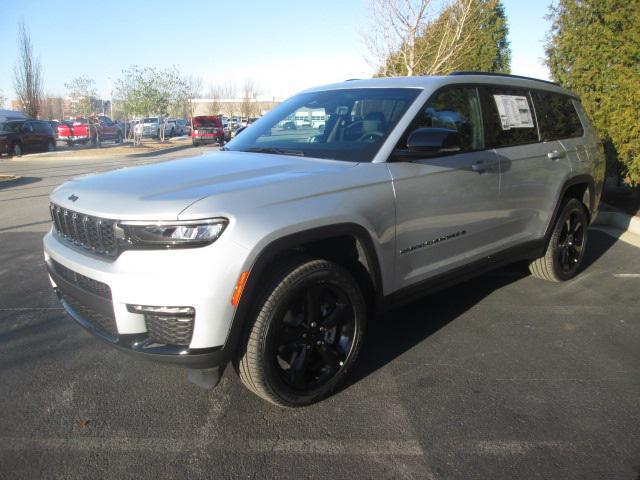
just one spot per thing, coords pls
(433, 141)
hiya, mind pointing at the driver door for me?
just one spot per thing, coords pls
(447, 203)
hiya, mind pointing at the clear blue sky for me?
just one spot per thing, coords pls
(285, 45)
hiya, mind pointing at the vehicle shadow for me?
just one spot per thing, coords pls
(399, 330)
(20, 181)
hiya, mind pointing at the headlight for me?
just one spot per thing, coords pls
(194, 233)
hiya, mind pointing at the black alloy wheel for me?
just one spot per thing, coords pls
(306, 333)
(315, 337)
(566, 248)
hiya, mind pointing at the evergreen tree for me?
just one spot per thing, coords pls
(594, 49)
(485, 44)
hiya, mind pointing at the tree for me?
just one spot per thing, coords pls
(52, 108)
(249, 94)
(594, 49)
(411, 37)
(83, 95)
(489, 46)
(394, 27)
(27, 78)
(3, 99)
(188, 89)
(145, 91)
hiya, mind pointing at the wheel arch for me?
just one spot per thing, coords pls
(324, 242)
(580, 187)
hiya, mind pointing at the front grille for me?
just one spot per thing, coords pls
(92, 233)
(171, 330)
(86, 283)
(102, 321)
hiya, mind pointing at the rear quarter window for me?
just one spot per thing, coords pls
(508, 117)
(557, 116)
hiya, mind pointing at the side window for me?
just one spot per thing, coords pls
(41, 127)
(29, 127)
(557, 116)
(455, 108)
(508, 117)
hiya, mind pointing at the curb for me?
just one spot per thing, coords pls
(618, 220)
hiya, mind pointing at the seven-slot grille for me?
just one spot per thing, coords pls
(94, 234)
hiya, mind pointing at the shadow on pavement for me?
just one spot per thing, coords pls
(401, 329)
(19, 182)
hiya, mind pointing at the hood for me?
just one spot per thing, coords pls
(161, 191)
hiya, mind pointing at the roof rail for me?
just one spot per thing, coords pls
(507, 75)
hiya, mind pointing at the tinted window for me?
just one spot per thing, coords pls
(11, 126)
(557, 116)
(455, 109)
(508, 117)
(42, 127)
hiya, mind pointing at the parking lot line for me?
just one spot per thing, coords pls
(353, 447)
(626, 275)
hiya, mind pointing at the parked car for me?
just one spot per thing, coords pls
(26, 136)
(184, 126)
(92, 130)
(150, 127)
(274, 253)
(208, 129)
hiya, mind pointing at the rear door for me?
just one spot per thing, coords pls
(532, 171)
(30, 137)
(446, 205)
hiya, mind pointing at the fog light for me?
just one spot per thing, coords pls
(161, 310)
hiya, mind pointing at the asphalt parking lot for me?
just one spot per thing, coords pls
(501, 377)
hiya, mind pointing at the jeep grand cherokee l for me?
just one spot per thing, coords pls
(274, 253)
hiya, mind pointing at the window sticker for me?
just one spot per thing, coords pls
(514, 111)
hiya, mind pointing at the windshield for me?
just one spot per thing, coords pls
(149, 120)
(11, 126)
(205, 121)
(349, 124)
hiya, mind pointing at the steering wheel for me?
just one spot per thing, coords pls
(370, 137)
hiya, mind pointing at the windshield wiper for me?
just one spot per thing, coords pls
(275, 151)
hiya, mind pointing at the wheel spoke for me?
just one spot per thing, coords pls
(312, 305)
(564, 256)
(331, 358)
(289, 335)
(336, 317)
(299, 367)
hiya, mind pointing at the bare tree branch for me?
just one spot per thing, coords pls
(27, 72)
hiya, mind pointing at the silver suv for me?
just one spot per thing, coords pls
(273, 253)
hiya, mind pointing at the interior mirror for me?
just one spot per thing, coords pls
(434, 140)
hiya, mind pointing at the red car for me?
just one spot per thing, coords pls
(82, 130)
(207, 129)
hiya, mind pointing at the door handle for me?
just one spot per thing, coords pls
(555, 155)
(482, 166)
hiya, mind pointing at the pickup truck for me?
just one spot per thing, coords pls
(82, 130)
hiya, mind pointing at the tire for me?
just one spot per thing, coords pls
(195, 144)
(51, 146)
(96, 142)
(283, 333)
(565, 251)
(16, 150)
(119, 138)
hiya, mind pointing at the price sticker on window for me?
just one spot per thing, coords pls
(514, 111)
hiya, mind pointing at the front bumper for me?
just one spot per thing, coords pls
(164, 278)
(207, 138)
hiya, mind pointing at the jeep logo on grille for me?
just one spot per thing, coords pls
(73, 197)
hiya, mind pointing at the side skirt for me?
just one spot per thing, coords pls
(526, 251)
